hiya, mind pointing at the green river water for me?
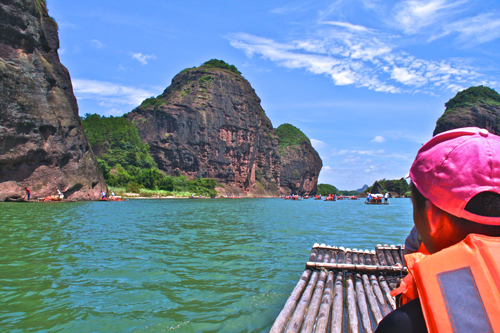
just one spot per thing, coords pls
(171, 265)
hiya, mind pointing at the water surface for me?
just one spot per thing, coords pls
(171, 265)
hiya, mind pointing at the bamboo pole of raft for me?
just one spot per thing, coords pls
(298, 316)
(361, 298)
(387, 292)
(310, 318)
(397, 257)
(326, 304)
(338, 304)
(381, 256)
(352, 312)
(357, 267)
(389, 258)
(338, 297)
(290, 305)
(372, 300)
(315, 303)
(362, 305)
(376, 287)
(327, 300)
(380, 297)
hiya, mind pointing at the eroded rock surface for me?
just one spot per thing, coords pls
(300, 169)
(300, 163)
(209, 123)
(42, 143)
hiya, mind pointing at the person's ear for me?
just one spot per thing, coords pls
(440, 228)
(433, 218)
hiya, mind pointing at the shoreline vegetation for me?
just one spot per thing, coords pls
(126, 162)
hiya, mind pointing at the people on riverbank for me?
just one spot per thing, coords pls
(28, 193)
(453, 284)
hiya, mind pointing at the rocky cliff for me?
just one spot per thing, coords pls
(475, 106)
(42, 142)
(300, 162)
(209, 123)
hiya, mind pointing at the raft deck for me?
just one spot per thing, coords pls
(343, 290)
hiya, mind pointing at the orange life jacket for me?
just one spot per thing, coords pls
(458, 287)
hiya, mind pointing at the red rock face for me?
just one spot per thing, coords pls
(42, 142)
(209, 123)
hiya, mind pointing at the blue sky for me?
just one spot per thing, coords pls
(365, 80)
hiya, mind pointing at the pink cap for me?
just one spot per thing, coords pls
(456, 165)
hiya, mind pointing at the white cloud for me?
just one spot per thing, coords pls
(342, 63)
(335, 152)
(482, 28)
(361, 59)
(317, 144)
(378, 139)
(372, 170)
(408, 76)
(348, 26)
(413, 15)
(97, 44)
(109, 94)
(143, 58)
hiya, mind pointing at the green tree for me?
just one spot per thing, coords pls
(325, 189)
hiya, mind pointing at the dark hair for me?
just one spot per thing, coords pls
(484, 204)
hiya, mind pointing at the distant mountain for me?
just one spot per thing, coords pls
(360, 190)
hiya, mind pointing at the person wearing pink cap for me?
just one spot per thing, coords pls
(454, 282)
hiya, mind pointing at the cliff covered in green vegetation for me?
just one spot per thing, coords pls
(472, 107)
(126, 162)
(397, 187)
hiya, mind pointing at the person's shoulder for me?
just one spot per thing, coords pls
(406, 319)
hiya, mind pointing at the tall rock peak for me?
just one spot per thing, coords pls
(300, 162)
(42, 142)
(475, 106)
(209, 123)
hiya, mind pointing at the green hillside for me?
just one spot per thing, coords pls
(474, 95)
(126, 162)
(290, 135)
(400, 186)
(325, 189)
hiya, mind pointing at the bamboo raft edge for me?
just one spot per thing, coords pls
(343, 290)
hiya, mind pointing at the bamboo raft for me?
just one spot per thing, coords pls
(343, 290)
